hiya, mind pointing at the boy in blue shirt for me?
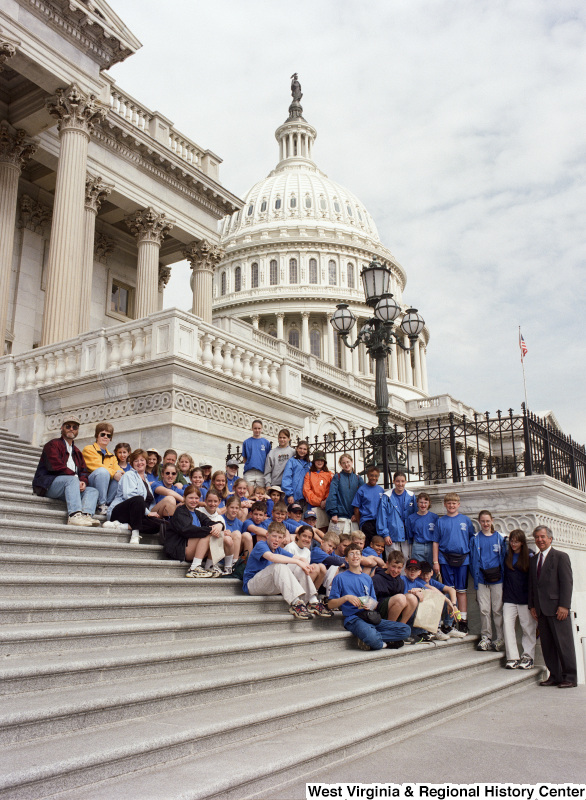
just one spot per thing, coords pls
(257, 524)
(420, 529)
(271, 570)
(255, 450)
(366, 502)
(395, 506)
(376, 547)
(451, 549)
(348, 589)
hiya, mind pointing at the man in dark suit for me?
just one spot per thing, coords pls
(550, 597)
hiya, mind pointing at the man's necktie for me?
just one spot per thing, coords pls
(539, 565)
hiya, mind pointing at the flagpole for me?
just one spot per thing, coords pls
(523, 367)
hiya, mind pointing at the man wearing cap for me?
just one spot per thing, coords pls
(231, 473)
(62, 475)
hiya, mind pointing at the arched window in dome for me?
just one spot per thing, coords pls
(263, 206)
(337, 208)
(315, 343)
(322, 203)
(254, 275)
(293, 202)
(293, 276)
(349, 209)
(273, 272)
(313, 270)
(337, 352)
(332, 273)
(272, 331)
(223, 283)
(237, 279)
(307, 201)
(359, 214)
(277, 203)
(350, 276)
(250, 209)
(294, 337)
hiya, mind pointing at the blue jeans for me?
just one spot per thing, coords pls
(107, 487)
(423, 551)
(66, 487)
(375, 636)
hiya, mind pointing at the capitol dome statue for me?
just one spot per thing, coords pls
(297, 248)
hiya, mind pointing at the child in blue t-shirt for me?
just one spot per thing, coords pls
(487, 558)
(451, 550)
(368, 562)
(395, 506)
(243, 539)
(376, 548)
(257, 524)
(324, 554)
(272, 570)
(350, 592)
(420, 529)
(255, 450)
(366, 503)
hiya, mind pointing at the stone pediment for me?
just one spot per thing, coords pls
(90, 24)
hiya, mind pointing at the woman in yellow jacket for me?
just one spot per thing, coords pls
(102, 466)
(316, 487)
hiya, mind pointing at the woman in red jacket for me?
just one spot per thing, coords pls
(316, 487)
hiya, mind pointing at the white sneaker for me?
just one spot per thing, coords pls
(109, 524)
(440, 636)
(79, 519)
(120, 526)
(94, 522)
(134, 538)
(454, 633)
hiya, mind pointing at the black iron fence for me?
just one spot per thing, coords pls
(456, 448)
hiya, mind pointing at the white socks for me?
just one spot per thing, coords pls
(228, 561)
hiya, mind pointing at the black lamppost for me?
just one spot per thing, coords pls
(378, 334)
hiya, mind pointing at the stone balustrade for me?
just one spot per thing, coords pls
(130, 109)
(439, 405)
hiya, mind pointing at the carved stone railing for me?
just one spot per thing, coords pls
(438, 405)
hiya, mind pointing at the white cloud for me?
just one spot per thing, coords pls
(460, 125)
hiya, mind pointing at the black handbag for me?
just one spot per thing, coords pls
(239, 566)
(491, 575)
(455, 559)
(372, 617)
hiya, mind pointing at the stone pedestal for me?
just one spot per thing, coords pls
(14, 152)
(77, 114)
(203, 258)
(95, 192)
(150, 228)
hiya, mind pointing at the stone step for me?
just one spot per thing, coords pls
(309, 642)
(29, 504)
(77, 546)
(62, 531)
(52, 713)
(8, 439)
(14, 563)
(35, 583)
(222, 743)
(186, 604)
(14, 461)
(43, 637)
(16, 481)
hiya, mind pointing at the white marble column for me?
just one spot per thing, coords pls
(407, 360)
(164, 275)
(447, 459)
(14, 153)
(203, 257)
(77, 114)
(305, 331)
(417, 366)
(355, 362)
(394, 364)
(280, 324)
(95, 192)
(331, 356)
(423, 357)
(150, 228)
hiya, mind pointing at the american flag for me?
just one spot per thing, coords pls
(522, 346)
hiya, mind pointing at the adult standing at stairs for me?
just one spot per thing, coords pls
(62, 475)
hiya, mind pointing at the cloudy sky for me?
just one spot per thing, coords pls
(461, 126)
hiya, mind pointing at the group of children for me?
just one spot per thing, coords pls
(327, 541)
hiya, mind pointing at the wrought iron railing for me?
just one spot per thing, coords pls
(457, 448)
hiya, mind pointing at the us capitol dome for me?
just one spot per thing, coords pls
(296, 248)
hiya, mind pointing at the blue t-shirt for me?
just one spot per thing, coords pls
(436, 585)
(355, 583)
(291, 525)
(206, 485)
(490, 553)
(368, 551)
(230, 483)
(256, 562)
(127, 467)
(255, 451)
(247, 523)
(156, 484)
(367, 501)
(233, 524)
(421, 527)
(270, 506)
(418, 583)
(453, 536)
